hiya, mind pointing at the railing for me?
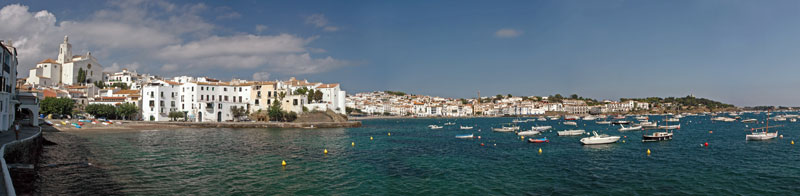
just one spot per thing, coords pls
(9, 185)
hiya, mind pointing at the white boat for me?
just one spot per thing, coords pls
(678, 126)
(541, 128)
(505, 129)
(604, 122)
(752, 120)
(571, 132)
(571, 123)
(723, 119)
(518, 121)
(435, 126)
(553, 118)
(541, 119)
(647, 124)
(529, 132)
(641, 118)
(465, 127)
(599, 139)
(465, 136)
(673, 120)
(630, 128)
(589, 118)
(449, 123)
(761, 135)
(793, 120)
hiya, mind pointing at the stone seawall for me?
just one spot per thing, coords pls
(23, 154)
(348, 124)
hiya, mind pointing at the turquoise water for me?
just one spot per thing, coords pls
(416, 160)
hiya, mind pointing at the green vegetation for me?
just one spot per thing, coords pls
(56, 106)
(127, 110)
(99, 84)
(175, 115)
(238, 112)
(351, 110)
(688, 101)
(120, 85)
(81, 76)
(277, 114)
(395, 93)
(123, 111)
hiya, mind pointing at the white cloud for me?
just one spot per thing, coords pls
(115, 67)
(146, 34)
(319, 21)
(261, 76)
(261, 28)
(507, 33)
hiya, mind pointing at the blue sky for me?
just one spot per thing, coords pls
(740, 52)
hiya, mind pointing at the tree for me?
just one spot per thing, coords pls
(274, 111)
(318, 96)
(102, 110)
(574, 96)
(127, 110)
(81, 76)
(120, 85)
(509, 96)
(238, 112)
(99, 84)
(310, 96)
(301, 91)
(57, 106)
(174, 115)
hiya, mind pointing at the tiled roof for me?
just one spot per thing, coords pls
(49, 61)
(126, 92)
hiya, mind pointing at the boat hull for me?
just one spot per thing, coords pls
(652, 138)
(603, 140)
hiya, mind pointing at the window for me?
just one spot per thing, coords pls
(201, 97)
(256, 101)
(220, 106)
(240, 99)
(172, 104)
(152, 103)
(220, 98)
(225, 89)
(162, 94)
(226, 98)
(269, 101)
(240, 89)
(212, 98)
(269, 93)
(294, 102)
(258, 94)
(193, 89)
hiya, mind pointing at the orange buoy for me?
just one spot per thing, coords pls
(710, 132)
(483, 144)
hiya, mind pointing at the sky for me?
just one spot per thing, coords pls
(739, 52)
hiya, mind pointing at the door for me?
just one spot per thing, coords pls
(219, 116)
(200, 117)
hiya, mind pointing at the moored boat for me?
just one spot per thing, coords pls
(571, 132)
(541, 128)
(657, 136)
(465, 127)
(435, 126)
(504, 129)
(571, 123)
(604, 122)
(538, 140)
(529, 132)
(630, 128)
(599, 139)
(465, 136)
(752, 120)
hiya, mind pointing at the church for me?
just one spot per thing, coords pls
(66, 69)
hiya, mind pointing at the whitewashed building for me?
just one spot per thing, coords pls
(8, 79)
(65, 69)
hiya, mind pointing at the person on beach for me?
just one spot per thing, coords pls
(16, 130)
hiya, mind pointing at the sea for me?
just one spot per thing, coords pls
(405, 157)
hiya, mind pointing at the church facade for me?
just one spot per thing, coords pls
(66, 69)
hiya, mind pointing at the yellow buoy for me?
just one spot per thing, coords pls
(326, 151)
(522, 137)
(792, 142)
(283, 163)
(623, 141)
(389, 134)
(648, 151)
(370, 137)
(353, 143)
(540, 150)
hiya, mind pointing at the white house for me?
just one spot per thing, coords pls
(66, 68)
(8, 79)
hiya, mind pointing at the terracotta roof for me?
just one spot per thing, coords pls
(49, 61)
(77, 87)
(112, 98)
(173, 82)
(76, 56)
(127, 92)
(328, 85)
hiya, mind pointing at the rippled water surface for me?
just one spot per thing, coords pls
(416, 160)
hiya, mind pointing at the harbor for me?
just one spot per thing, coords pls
(412, 158)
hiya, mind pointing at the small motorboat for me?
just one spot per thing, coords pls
(573, 123)
(604, 122)
(599, 139)
(435, 126)
(678, 126)
(449, 123)
(465, 127)
(464, 136)
(621, 122)
(48, 122)
(571, 132)
(761, 136)
(541, 119)
(752, 120)
(538, 140)
(630, 128)
(529, 132)
(504, 129)
(541, 128)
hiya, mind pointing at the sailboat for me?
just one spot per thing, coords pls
(762, 135)
(659, 135)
